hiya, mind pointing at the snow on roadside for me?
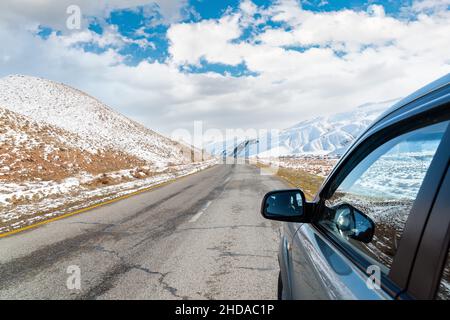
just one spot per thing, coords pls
(26, 203)
(313, 164)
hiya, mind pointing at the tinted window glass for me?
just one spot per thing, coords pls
(383, 187)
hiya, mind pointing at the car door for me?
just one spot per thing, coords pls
(390, 181)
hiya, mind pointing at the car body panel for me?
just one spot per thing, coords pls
(321, 272)
(284, 256)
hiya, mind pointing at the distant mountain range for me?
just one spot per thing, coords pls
(323, 135)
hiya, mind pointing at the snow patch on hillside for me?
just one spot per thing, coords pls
(99, 126)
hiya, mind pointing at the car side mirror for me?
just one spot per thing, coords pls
(352, 223)
(284, 205)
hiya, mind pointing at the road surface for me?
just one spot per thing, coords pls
(201, 237)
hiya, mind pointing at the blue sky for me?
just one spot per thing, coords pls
(146, 22)
(232, 64)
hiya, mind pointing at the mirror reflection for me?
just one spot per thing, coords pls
(351, 223)
(288, 203)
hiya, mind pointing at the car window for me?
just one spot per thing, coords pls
(444, 285)
(383, 187)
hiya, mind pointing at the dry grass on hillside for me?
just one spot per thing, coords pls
(30, 151)
(308, 182)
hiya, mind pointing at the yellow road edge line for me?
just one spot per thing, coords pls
(100, 204)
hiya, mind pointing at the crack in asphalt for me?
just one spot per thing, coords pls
(224, 269)
(235, 254)
(224, 227)
(256, 269)
(110, 278)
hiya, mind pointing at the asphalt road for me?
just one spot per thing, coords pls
(201, 237)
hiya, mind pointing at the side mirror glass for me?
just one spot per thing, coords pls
(284, 205)
(352, 223)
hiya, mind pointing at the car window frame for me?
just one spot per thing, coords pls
(434, 245)
(396, 281)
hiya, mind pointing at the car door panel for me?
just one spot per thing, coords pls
(321, 272)
(284, 255)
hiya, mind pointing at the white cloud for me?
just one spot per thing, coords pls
(209, 39)
(383, 57)
(52, 13)
(247, 7)
(110, 37)
(346, 29)
(423, 5)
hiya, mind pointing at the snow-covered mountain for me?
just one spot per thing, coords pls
(99, 127)
(331, 134)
